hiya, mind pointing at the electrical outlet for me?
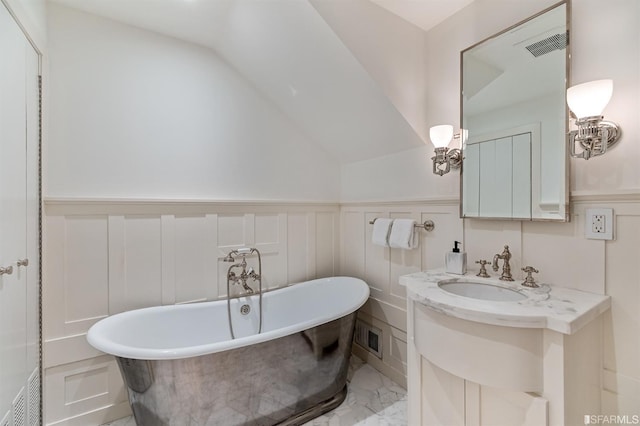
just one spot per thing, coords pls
(599, 224)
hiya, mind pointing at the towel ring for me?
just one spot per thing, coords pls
(428, 225)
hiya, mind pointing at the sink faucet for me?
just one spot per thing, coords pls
(506, 268)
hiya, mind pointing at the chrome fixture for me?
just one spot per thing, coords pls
(247, 273)
(427, 225)
(506, 268)
(483, 271)
(445, 158)
(6, 270)
(529, 281)
(242, 278)
(238, 252)
(594, 135)
(22, 262)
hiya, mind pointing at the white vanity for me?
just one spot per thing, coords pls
(488, 352)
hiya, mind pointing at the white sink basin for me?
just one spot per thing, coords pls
(482, 291)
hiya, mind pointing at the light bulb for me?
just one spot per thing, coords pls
(441, 135)
(589, 99)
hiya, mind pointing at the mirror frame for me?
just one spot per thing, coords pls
(567, 174)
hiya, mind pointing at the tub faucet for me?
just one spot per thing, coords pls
(506, 268)
(241, 279)
(245, 274)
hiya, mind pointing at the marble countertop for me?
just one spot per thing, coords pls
(556, 308)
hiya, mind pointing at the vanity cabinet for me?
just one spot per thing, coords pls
(19, 226)
(475, 362)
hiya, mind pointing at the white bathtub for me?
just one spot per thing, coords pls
(170, 354)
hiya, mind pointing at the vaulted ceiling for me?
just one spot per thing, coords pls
(291, 54)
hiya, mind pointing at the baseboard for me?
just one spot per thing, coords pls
(97, 417)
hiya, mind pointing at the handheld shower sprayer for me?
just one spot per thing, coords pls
(244, 251)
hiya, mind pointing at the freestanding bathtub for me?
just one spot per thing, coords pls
(182, 367)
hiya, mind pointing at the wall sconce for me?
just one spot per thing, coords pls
(445, 158)
(594, 135)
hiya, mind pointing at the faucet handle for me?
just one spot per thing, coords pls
(483, 270)
(529, 281)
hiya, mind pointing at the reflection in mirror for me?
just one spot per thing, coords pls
(513, 109)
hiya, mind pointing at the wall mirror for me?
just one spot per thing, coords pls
(515, 118)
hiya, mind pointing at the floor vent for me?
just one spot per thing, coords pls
(19, 410)
(369, 337)
(33, 398)
(6, 419)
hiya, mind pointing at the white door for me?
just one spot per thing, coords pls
(33, 236)
(19, 122)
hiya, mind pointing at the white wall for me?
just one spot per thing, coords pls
(401, 176)
(614, 53)
(137, 114)
(31, 14)
(559, 250)
(389, 48)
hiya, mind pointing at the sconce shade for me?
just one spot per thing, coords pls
(441, 135)
(589, 99)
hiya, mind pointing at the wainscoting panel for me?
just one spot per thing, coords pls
(85, 271)
(621, 393)
(71, 390)
(326, 249)
(107, 256)
(298, 260)
(191, 238)
(142, 266)
(381, 267)
(355, 226)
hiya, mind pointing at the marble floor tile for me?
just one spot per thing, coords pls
(127, 421)
(372, 400)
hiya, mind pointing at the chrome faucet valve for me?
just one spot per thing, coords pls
(529, 281)
(483, 270)
(251, 273)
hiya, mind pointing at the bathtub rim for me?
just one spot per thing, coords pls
(97, 339)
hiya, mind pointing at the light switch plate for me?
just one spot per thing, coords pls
(598, 224)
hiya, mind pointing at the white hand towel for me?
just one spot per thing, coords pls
(403, 234)
(380, 234)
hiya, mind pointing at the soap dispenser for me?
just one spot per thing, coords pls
(454, 261)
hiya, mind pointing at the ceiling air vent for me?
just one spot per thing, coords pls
(549, 44)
